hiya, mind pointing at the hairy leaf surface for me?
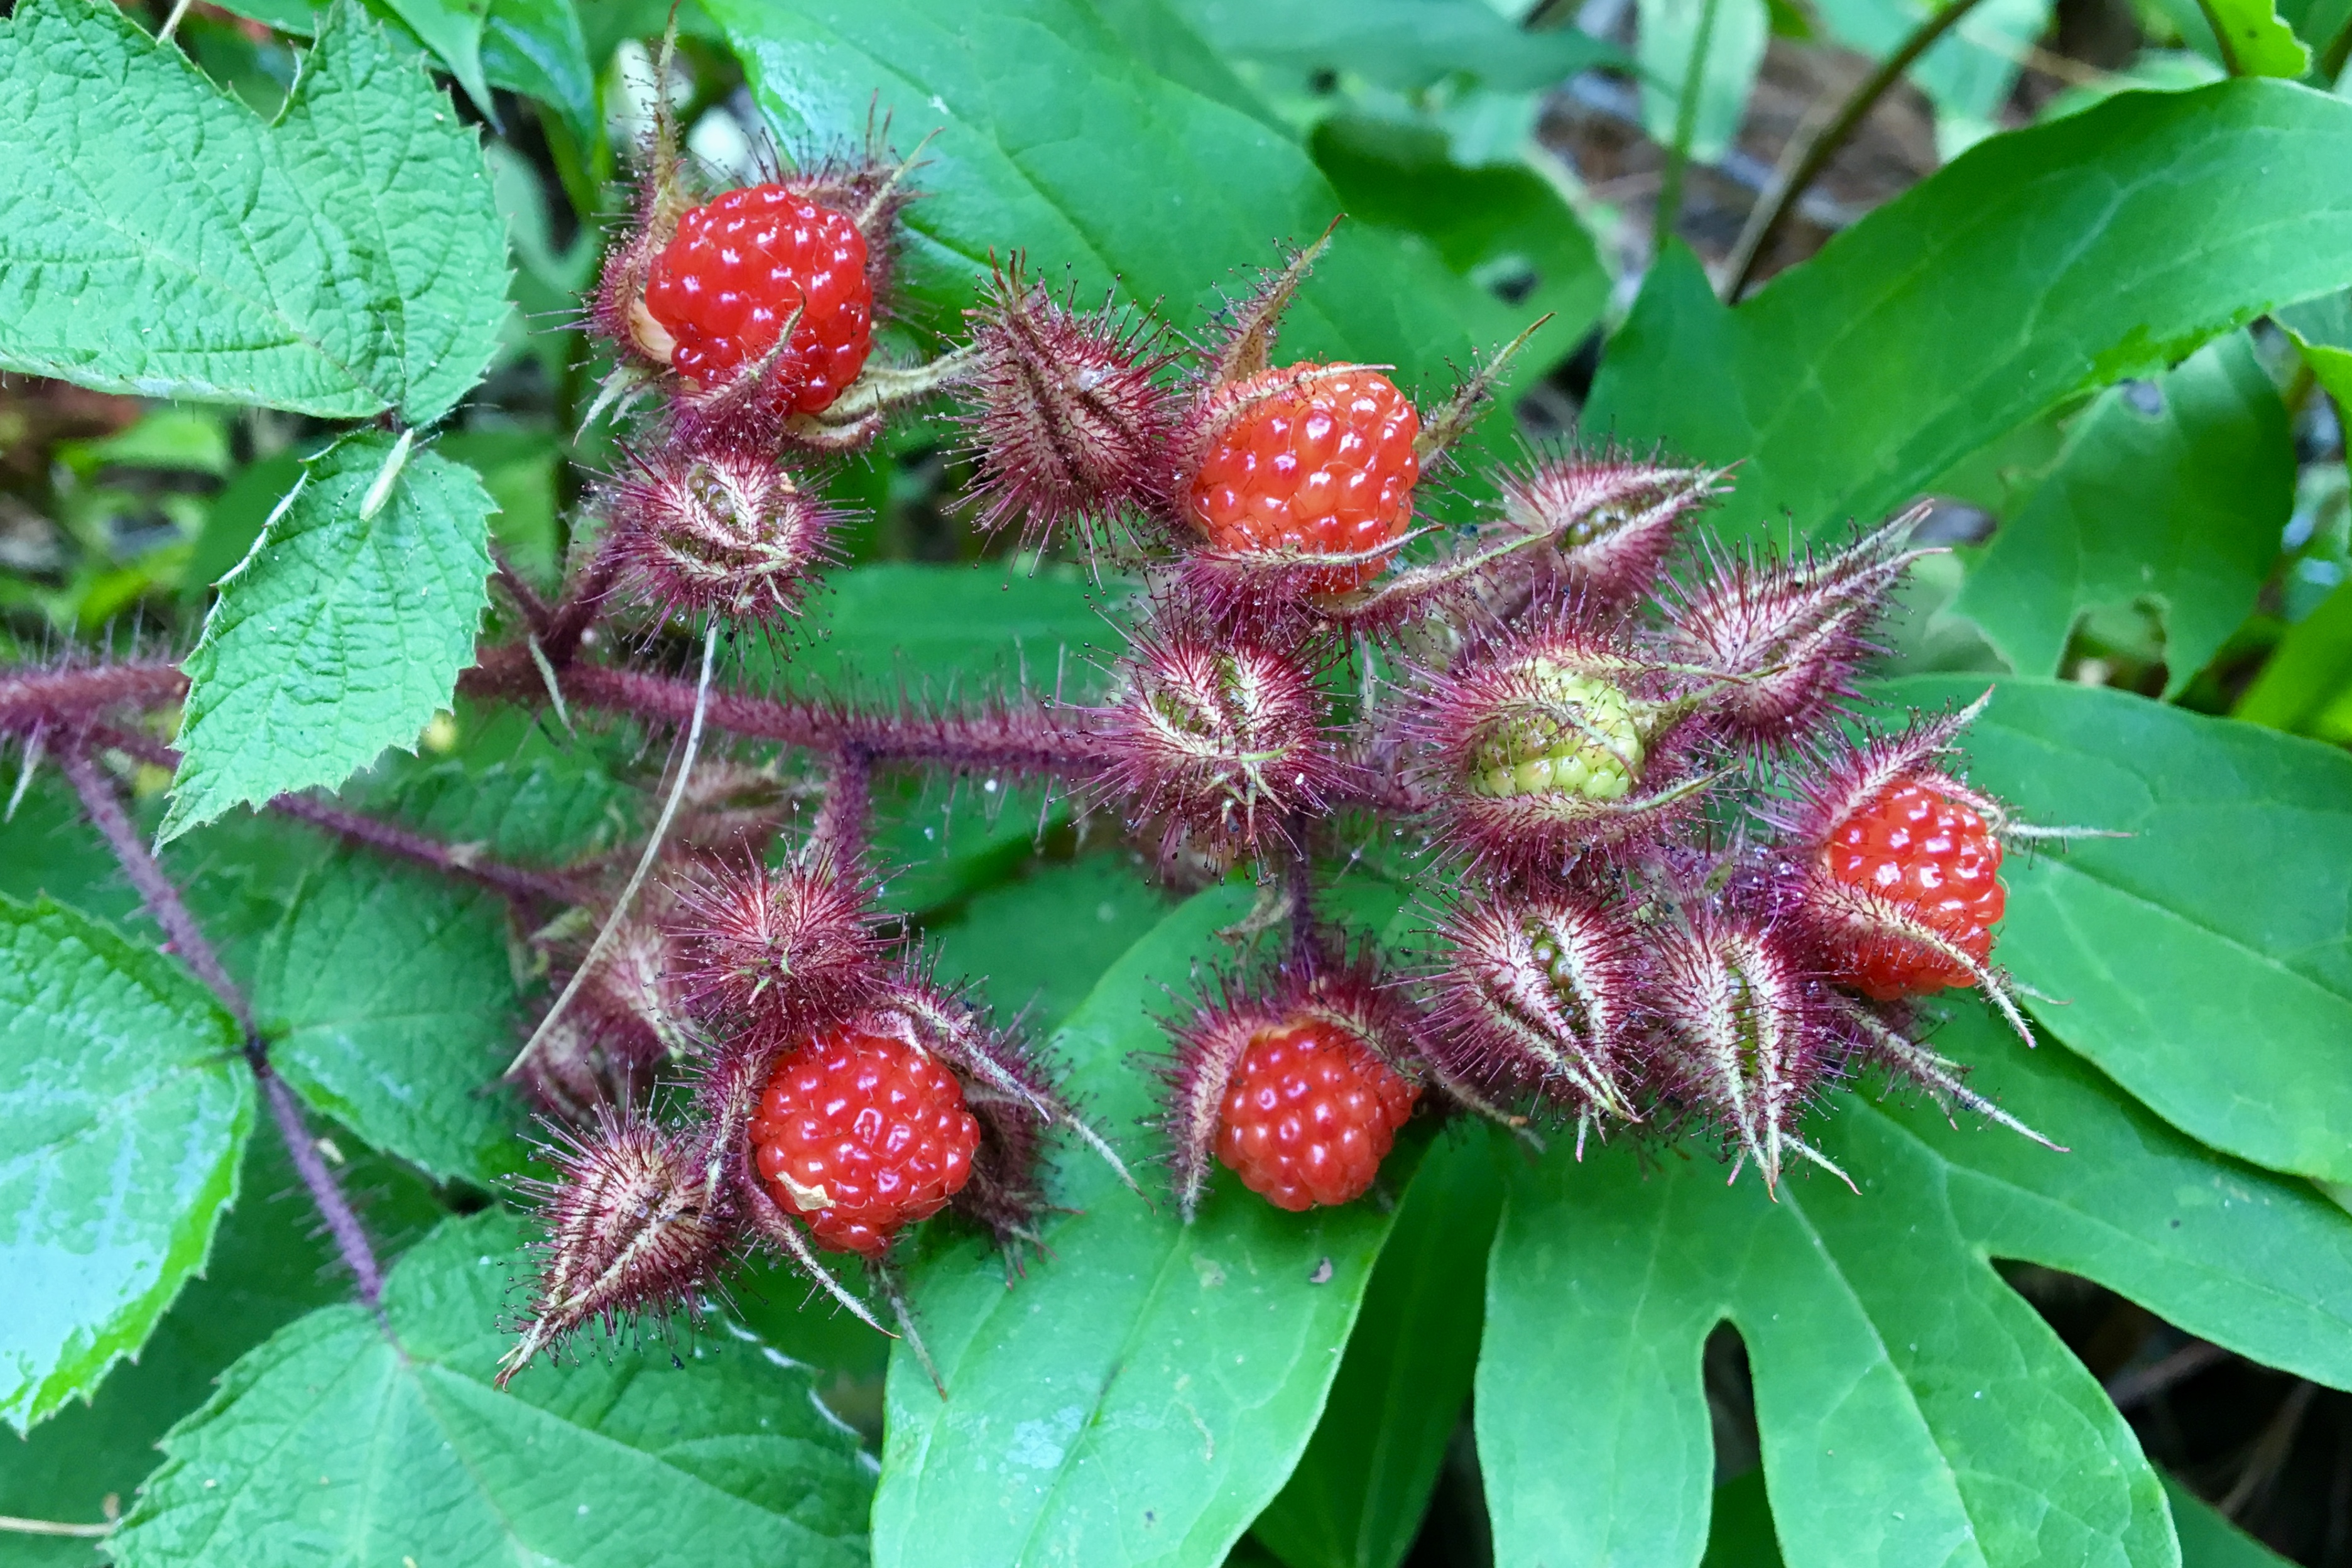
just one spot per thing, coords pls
(124, 1108)
(334, 1442)
(342, 633)
(157, 237)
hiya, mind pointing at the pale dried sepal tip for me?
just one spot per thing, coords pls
(775, 1228)
(1444, 426)
(1936, 1074)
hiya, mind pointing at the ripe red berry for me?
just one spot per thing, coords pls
(736, 271)
(859, 1134)
(1919, 848)
(1310, 459)
(1309, 1115)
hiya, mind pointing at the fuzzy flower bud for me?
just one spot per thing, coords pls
(1749, 1038)
(1788, 636)
(791, 947)
(720, 533)
(1612, 520)
(1069, 419)
(1540, 994)
(1224, 736)
(631, 1228)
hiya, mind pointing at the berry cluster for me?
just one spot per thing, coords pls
(1667, 891)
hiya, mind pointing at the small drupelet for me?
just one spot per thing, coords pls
(1312, 461)
(1933, 856)
(859, 1135)
(734, 273)
(1309, 1115)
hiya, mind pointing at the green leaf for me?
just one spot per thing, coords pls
(2180, 504)
(1139, 1397)
(1911, 1407)
(939, 631)
(2254, 1261)
(1503, 227)
(537, 811)
(1054, 140)
(2305, 686)
(2208, 1539)
(390, 1007)
(2224, 1009)
(536, 47)
(342, 633)
(452, 29)
(334, 1443)
(2322, 330)
(125, 1107)
(1874, 1321)
(272, 1262)
(2039, 265)
(342, 261)
(1404, 44)
(2254, 41)
(1356, 1499)
(1670, 32)
(1097, 908)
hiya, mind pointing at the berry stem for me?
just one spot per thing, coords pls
(514, 882)
(32, 699)
(343, 1220)
(195, 950)
(1029, 741)
(845, 821)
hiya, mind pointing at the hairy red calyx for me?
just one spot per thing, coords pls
(1610, 521)
(1223, 736)
(789, 948)
(715, 531)
(1541, 994)
(1747, 1039)
(634, 1226)
(1789, 636)
(1069, 416)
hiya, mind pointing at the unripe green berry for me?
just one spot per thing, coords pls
(1581, 737)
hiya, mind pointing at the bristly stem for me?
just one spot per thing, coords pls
(1758, 235)
(343, 1220)
(195, 950)
(845, 822)
(1028, 741)
(155, 891)
(1301, 890)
